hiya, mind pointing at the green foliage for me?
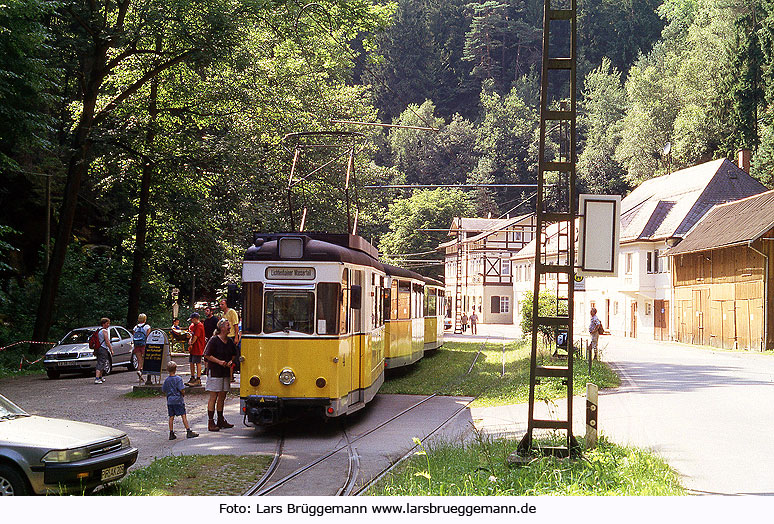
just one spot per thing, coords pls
(26, 81)
(426, 157)
(94, 284)
(548, 306)
(602, 108)
(410, 219)
(480, 469)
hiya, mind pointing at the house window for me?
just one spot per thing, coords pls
(648, 308)
(505, 267)
(628, 263)
(505, 304)
(501, 304)
(615, 308)
(648, 262)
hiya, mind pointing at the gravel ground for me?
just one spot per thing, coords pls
(145, 420)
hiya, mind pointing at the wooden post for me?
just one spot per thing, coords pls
(592, 394)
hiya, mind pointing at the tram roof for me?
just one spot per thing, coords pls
(328, 247)
(317, 247)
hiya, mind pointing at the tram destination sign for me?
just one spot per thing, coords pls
(290, 273)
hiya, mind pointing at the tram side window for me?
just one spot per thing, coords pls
(328, 308)
(289, 310)
(432, 303)
(404, 300)
(344, 315)
(253, 308)
(394, 300)
(426, 303)
(418, 307)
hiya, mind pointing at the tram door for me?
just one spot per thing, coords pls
(356, 357)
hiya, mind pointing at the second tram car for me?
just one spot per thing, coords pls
(323, 319)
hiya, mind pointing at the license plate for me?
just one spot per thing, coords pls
(64, 363)
(112, 473)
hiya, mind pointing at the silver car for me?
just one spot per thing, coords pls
(41, 455)
(73, 355)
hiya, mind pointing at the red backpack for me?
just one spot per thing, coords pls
(94, 340)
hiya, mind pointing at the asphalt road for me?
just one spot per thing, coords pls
(708, 413)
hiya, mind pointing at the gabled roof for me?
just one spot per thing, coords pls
(494, 226)
(555, 242)
(475, 225)
(668, 206)
(730, 224)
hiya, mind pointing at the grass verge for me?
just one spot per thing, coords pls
(480, 469)
(193, 475)
(144, 393)
(443, 369)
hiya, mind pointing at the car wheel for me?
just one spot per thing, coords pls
(133, 363)
(11, 481)
(53, 374)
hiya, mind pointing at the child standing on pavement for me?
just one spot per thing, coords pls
(174, 389)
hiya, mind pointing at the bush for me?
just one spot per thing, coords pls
(94, 284)
(548, 306)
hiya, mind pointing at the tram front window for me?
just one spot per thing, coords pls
(289, 311)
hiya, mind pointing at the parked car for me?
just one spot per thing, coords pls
(447, 323)
(40, 455)
(73, 355)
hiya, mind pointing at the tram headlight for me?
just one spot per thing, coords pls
(287, 376)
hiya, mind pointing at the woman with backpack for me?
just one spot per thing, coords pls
(139, 337)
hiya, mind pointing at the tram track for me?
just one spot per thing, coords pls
(349, 487)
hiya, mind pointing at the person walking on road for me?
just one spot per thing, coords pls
(139, 338)
(219, 353)
(473, 322)
(104, 352)
(464, 321)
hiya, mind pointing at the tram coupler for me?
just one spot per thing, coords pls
(261, 411)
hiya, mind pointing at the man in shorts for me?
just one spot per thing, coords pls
(195, 349)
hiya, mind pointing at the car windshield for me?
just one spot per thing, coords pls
(10, 410)
(77, 336)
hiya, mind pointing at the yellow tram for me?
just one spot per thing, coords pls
(322, 319)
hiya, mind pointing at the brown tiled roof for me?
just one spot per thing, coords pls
(730, 224)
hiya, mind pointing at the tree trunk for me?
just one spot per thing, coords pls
(93, 74)
(135, 282)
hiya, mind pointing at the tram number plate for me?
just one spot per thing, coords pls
(112, 472)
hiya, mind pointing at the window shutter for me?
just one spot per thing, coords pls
(495, 304)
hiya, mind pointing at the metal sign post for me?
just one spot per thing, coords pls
(555, 232)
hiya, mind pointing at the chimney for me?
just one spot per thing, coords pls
(743, 160)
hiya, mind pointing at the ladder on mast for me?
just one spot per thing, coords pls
(555, 225)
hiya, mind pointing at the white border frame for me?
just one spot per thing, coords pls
(606, 239)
